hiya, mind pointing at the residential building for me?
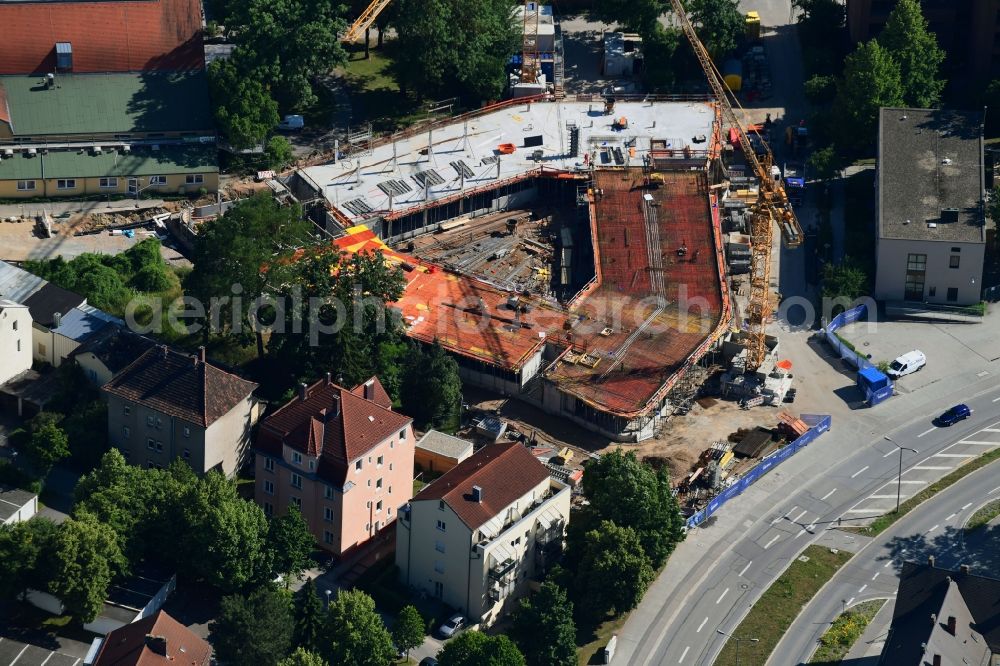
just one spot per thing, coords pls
(343, 457)
(931, 207)
(437, 453)
(167, 405)
(15, 339)
(16, 505)
(968, 30)
(111, 350)
(157, 639)
(943, 617)
(474, 537)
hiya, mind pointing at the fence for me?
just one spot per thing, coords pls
(818, 424)
(873, 395)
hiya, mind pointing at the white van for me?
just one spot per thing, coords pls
(292, 123)
(907, 364)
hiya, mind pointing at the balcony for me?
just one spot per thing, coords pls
(501, 571)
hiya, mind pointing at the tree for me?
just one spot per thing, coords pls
(824, 162)
(254, 629)
(409, 630)
(244, 109)
(308, 617)
(48, 443)
(821, 89)
(639, 16)
(544, 629)
(25, 548)
(871, 81)
(292, 544)
(614, 571)
(474, 648)
(660, 46)
(844, 280)
(355, 633)
(87, 558)
(720, 23)
(916, 50)
(622, 489)
(236, 253)
(302, 657)
(278, 152)
(86, 427)
(431, 390)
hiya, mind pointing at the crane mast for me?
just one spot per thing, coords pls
(772, 204)
(366, 19)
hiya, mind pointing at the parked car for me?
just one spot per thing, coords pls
(954, 415)
(452, 626)
(292, 123)
(428, 661)
(906, 364)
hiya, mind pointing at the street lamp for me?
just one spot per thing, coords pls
(752, 640)
(328, 593)
(899, 479)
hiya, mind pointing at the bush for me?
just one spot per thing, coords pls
(821, 89)
(278, 153)
(151, 278)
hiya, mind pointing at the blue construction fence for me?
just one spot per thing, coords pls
(818, 424)
(873, 382)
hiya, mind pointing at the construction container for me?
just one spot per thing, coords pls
(732, 74)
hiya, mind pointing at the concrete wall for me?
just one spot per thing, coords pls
(26, 512)
(967, 278)
(432, 461)
(97, 373)
(176, 183)
(50, 347)
(15, 342)
(227, 441)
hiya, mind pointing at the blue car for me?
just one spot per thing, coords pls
(954, 415)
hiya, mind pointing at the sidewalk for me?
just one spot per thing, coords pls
(868, 648)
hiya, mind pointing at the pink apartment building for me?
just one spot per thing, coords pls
(342, 456)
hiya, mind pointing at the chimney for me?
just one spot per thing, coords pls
(157, 644)
(951, 625)
(335, 407)
(937, 660)
(163, 348)
(329, 378)
(370, 389)
(477, 494)
(302, 391)
(933, 619)
(56, 320)
(964, 568)
(930, 560)
(201, 354)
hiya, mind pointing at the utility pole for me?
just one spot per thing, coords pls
(738, 640)
(899, 478)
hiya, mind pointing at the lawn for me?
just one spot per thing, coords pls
(982, 517)
(774, 612)
(845, 632)
(591, 652)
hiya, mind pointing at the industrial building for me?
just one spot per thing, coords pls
(568, 253)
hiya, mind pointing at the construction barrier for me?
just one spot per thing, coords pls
(874, 393)
(818, 424)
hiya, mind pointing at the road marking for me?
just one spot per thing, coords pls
(799, 517)
(905, 481)
(990, 430)
(887, 496)
(848, 602)
(862, 588)
(775, 538)
(996, 399)
(859, 471)
(976, 442)
(780, 518)
(932, 529)
(876, 575)
(799, 534)
(954, 455)
(929, 467)
(684, 654)
(966, 506)
(889, 453)
(858, 511)
(887, 564)
(722, 596)
(701, 626)
(993, 491)
(950, 517)
(824, 497)
(925, 432)
(745, 568)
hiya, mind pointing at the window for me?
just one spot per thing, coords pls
(187, 431)
(931, 291)
(159, 422)
(440, 505)
(127, 410)
(126, 432)
(368, 527)
(390, 467)
(41, 349)
(66, 184)
(150, 444)
(157, 180)
(357, 465)
(439, 546)
(269, 487)
(916, 268)
(149, 464)
(390, 490)
(378, 506)
(187, 454)
(133, 185)
(327, 537)
(402, 435)
(25, 185)
(296, 480)
(150, 421)
(952, 294)
(954, 260)
(107, 183)
(378, 461)
(296, 502)
(18, 343)
(15, 325)
(159, 446)
(296, 457)
(268, 509)
(441, 526)
(439, 566)
(378, 484)
(369, 483)
(312, 465)
(328, 514)
(388, 511)
(269, 464)
(916, 262)
(956, 249)
(194, 179)
(327, 492)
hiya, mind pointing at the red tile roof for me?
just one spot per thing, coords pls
(505, 472)
(131, 645)
(180, 385)
(108, 36)
(337, 424)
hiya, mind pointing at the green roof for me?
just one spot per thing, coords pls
(108, 103)
(142, 161)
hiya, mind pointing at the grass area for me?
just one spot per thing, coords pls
(590, 653)
(418, 485)
(882, 523)
(774, 612)
(982, 517)
(845, 632)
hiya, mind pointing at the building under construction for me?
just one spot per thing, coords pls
(568, 253)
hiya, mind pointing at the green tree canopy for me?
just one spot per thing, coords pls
(627, 491)
(431, 390)
(635, 15)
(292, 542)
(309, 617)
(254, 629)
(355, 633)
(47, 445)
(614, 571)
(720, 24)
(302, 657)
(474, 648)
(245, 111)
(87, 558)
(26, 548)
(916, 50)
(544, 629)
(871, 81)
(409, 630)
(844, 280)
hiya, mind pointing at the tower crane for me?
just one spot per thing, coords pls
(772, 203)
(365, 20)
(530, 68)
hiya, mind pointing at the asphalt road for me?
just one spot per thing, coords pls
(731, 569)
(934, 529)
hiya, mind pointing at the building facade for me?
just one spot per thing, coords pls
(343, 457)
(474, 537)
(15, 339)
(168, 405)
(930, 246)
(437, 452)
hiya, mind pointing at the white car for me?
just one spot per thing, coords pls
(292, 123)
(452, 626)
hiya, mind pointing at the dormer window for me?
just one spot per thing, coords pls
(296, 457)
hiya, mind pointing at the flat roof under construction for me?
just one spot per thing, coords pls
(465, 156)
